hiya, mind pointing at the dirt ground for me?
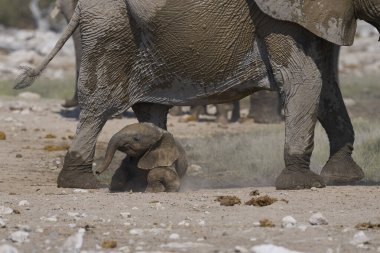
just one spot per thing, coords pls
(189, 221)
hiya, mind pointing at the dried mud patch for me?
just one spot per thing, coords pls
(228, 200)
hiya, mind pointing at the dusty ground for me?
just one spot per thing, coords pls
(178, 222)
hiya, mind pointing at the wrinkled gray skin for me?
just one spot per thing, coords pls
(156, 161)
(151, 55)
(66, 8)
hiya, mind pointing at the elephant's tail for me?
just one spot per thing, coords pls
(29, 74)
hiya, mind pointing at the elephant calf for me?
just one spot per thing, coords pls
(156, 161)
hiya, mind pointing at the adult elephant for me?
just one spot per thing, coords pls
(66, 8)
(150, 55)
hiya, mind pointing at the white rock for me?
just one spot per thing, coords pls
(174, 236)
(73, 243)
(51, 219)
(80, 191)
(5, 248)
(136, 231)
(288, 222)
(19, 236)
(73, 214)
(135, 208)
(240, 249)
(2, 223)
(24, 203)
(201, 223)
(360, 238)
(194, 170)
(29, 95)
(125, 249)
(318, 219)
(126, 215)
(270, 248)
(184, 223)
(5, 210)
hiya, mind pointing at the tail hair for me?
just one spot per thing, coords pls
(26, 78)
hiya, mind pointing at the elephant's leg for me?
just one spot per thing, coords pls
(340, 168)
(77, 167)
(235, 116)
(197, 110)
(176, 111)
(162, 179)
(222, 113)
(265, 107)
(152, 113)
(294, 55)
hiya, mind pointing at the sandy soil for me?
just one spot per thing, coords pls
(177, 222)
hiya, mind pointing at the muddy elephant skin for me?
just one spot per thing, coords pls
(151, 55)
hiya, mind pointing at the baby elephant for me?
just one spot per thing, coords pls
(153, 155)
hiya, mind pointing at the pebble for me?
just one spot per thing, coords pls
(288, 222)
(194, 170)
(51, 219)
(270, 248)
(201, 223)
(19, 236)
(5, 210)
(136, 231)
(302, 228)
(24, 203)
(73, 243)
(5, 248)
(240, 249)
(184, 223)
(174, 236)
(126, 215)
(80, 191)
(2, 223)
(318, 219)
(360, 238)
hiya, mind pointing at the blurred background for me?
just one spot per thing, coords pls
(28, 33)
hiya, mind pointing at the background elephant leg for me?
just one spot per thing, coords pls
(77, 167)
(265, 107)
(222, 113)
(294, 57)
(176, 111)
(332, 114)
(162, 179)
(235, 116)
(152, 113)
(197, 110)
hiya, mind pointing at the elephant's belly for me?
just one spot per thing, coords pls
(201, 52)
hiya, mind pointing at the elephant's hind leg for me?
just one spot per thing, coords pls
(152, 113)
(340, 168)
(163, 180)
(294, 56)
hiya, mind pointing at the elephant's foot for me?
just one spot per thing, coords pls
(341, 169)
(222, 120)
(76, 174)
(297, 179)
(70, 103)
(119, 181)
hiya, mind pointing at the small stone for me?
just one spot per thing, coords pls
(314, 189)
(174, 236)
(8, 249)
(270, 248)
(2, 223)
(24, 203)
(318, 219)
(194, 170)
(240, 249)
(359, 239)
(201, 223)
(302, 228)
(19, 156)
(184, 223)
(80, 191)
(288, 222)
(19, 236)
(5, 210)
(74, 242)
(136, 231)
(125, 249)
(126, 215)
(51, 219)
(135, 208)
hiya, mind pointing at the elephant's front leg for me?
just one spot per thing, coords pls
(294, 63)
(77, 167)
(340, 168)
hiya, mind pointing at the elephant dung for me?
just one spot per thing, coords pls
(261, 201)
(266, 223)
(109, 244)
(2, 136)
(228, 200)
(367, 225)
(50, 148)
